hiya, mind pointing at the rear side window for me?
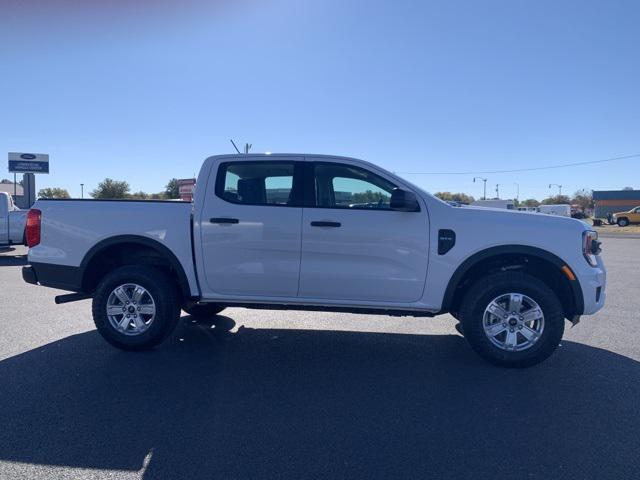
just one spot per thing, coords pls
(257, 183)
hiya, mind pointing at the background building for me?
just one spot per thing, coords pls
(612, 201)
(186, 187)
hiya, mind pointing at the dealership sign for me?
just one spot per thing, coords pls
(28, 162)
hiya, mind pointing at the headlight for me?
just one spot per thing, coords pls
(590, 247)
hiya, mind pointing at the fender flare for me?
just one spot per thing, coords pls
(477, 257)
(163, 250)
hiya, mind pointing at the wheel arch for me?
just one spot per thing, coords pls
(90, 273)
(506, 257)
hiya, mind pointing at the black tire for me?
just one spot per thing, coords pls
(492, 286)
(162, 290)
(623, 222)
(204, 310)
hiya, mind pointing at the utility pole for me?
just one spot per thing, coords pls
(82, 190)
(517, 190)
(498, 191)
(556, 185)
(484, 196)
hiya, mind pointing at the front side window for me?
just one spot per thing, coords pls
(345, 186)
(256, 183)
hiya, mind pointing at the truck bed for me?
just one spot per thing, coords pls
(71, 228)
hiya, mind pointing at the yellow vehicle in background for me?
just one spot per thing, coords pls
(626, 218)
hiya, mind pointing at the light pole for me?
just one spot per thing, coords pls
(556, 185)
(484, 196)
(517, 190)
(82, 190)
(498, 191)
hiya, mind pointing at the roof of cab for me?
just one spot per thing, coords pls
(267, 156)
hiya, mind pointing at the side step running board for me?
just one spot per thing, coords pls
(71, 297)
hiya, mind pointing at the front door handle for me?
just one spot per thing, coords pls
(326, 224)
(223, 220)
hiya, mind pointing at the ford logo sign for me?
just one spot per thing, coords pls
(27, 156)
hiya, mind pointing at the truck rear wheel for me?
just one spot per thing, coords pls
(136, 307)
(512, 319)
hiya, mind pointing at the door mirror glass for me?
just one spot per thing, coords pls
(404, 201)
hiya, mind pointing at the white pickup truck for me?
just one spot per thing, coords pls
(12, 221)
(320, 233)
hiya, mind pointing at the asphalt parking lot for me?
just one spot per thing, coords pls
(268, 394)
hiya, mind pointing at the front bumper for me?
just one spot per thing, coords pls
(593, 289)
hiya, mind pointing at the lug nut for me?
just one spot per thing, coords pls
(519, 327)
(128, 316)
(504, 324)
(511, 330)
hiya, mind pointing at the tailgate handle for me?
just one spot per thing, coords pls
(224, 220)
(326, 224)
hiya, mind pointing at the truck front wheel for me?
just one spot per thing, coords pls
(512, 319)
(623, 222)
(136, 307)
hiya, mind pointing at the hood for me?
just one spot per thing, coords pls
(514, 222)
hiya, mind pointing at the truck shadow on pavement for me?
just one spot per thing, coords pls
(318, 404)
(12, 260)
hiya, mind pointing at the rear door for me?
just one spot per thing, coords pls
(354, 247)
(250, 229)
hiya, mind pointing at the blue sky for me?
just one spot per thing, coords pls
(143, 93)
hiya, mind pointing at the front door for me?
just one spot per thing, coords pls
(250, 229)
(354, 247)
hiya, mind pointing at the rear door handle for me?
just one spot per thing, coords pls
(223, 220)
(326, 224)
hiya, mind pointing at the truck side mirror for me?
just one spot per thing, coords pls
(404, 201)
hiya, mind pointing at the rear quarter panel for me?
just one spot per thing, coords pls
(17, 221)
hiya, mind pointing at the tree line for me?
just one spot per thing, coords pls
(110, 189)
(583, 198)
